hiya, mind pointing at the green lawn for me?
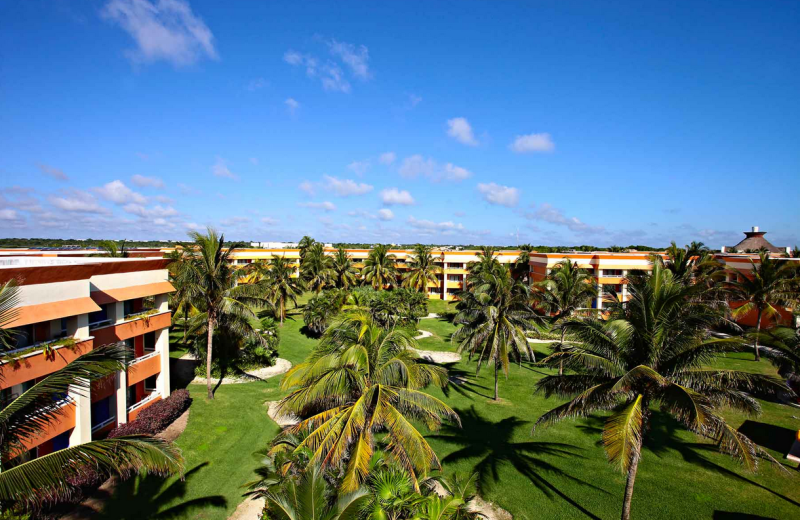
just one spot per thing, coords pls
(558, 472)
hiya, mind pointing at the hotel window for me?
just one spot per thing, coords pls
(101, 411)
(454, 277)
(150, 383)
(612, 272)
(150, 342)
(455, 265)
(98, 317)
(435, 290)
(242, 261)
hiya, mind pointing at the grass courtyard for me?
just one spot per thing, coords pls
(558, 472)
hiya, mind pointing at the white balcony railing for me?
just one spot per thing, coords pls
(103, 424)
(151, 397)
(146, 356)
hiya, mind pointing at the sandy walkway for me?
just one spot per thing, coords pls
(530, 340)
(423, 334)
(430, 316)
(281, 367)
(439, 357)
(283, 420)
(250, 509)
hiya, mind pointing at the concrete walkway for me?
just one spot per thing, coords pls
(281, 366)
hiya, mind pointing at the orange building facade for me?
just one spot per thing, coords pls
(70, 305)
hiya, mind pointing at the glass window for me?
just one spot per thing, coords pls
(150, 342)
(150, 383)
(101, 411)
(99, 316)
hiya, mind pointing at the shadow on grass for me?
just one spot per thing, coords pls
(728, 515)
(143, 497)
(663, 437)
(492, 443)
(462, 382)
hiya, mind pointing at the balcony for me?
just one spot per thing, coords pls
(64, 423)
(143, 367)
(135, 326)
(135, 409)
(41, 359)
(108, 422)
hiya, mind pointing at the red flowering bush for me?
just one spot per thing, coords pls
(156, 417)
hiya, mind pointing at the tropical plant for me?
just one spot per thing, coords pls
(29, 485)
(379, 267)
(770, 284)
(486, 263)
(495, 317)
(359, 381)
(400, 307)
(344, 271)
(692, 264)
(180, 301)
(422, 269)
(311, 497)
(320, 310)
(237, 353)
(459, 492)
(305, 243)
(316, 269)
(282, 287)
(652, 350)
(212, 284)
(783, 351)
(109, 248)
(566, 289)
(522, 265)
(393, 494)
(9, 311)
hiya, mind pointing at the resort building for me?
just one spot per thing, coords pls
(69, 305)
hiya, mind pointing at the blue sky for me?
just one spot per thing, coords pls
(444, 122)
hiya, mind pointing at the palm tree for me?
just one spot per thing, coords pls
(522, 265)
(693, 264)
(344, 272)
(316, 268)
(305, 243)
(309, 498)
(495, 317)
(213, 285)
(282, 287)
(180, 301)
(35, 483)
(362, 380)
(654, 351)
(486, 263)
(109, 249)
(379, 268)
(566, 289)
(422, 269)
(9, 311)
(771, 284)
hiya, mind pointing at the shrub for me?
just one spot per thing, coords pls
(156, 417)
(233, 353)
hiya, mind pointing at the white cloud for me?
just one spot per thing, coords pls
(532, 143)
(55, 173)
(77, 201)
(307, 188)
(163, 30)
(459, 129)
(414, 100)
(8, 214)
(547, 213)
(357, 58)
(345, 187)
(187, 189)
(269, 221)
(220, 169)
(254, 161)
(153, 212)
(417, 165)
(293, 57)
(292, 105)
(118, 193)
(142, 181)
(385, 214)
(434, 226)
(333, 79)
(326, 206)
(387, 158)
(359, 167)
(500, 195)
(392, 196)
(456, 173)
(256, 84)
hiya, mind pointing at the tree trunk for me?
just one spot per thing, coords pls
(281, 310)
(185, 319)
(561, 362)
(496, 396)
(758, 332)
(208, 357)
(626, 501)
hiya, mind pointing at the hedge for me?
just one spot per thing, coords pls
(156, 417)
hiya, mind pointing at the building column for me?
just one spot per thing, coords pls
(116, 312)
(624, 285)
(162, 302)
(121, 386)
(162, 347)
(78, 326)
(82, 433)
